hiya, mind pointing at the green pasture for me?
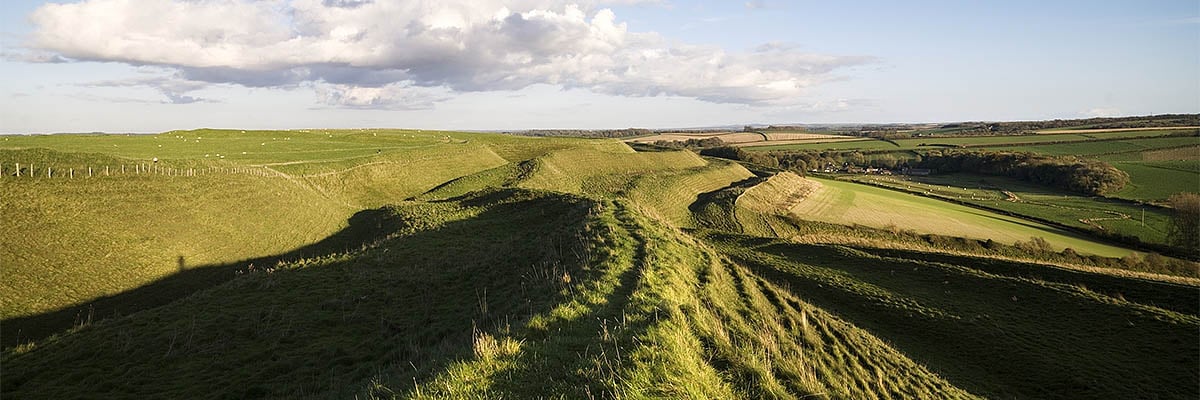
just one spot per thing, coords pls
(1158, 180)
(1065, 207)
(850, 203)
(1102, 148)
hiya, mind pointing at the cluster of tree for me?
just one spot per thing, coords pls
(1087, 176)
(691, 143)
(801, 161)
(1185, 222)
(727, 152)
(599, 133)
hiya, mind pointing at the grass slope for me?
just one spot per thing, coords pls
(72, 240)
(996, 328)
(1065, 207)
(1158, 180)
(846, 202)
(456, 265)
(547, 295)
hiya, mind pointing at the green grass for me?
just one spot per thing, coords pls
(668, 195)
(998, 329)
(75, 239)
(591, 299)
(865, 144)
(1178, 153)
(850, 203)
(1099, 148)
(410, 264)
(603, 168)
(1065, 207)
(1158, 180)
(72, 240)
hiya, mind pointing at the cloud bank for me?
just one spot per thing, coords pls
(413, 54)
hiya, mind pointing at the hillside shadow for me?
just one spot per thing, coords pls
(401, 311)
(998, 328)
(362, 228)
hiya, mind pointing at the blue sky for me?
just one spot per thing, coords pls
(155, 65)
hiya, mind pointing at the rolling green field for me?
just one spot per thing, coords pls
(1158, 180)
(845, 202)
(1121, 217)
(1103, 148)
(417, 264)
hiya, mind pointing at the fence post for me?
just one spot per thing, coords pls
(18, 169)
(47, 172)
(89, 172)
(106, 170)
(122, 169)
(72, 173)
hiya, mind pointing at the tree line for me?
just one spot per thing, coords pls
(1087, 176)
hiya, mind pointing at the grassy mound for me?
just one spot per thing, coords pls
(545, 294)
(410, 264)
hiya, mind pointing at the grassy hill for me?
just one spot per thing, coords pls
(410, 264)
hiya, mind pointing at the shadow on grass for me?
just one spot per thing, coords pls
(996, 328)
(404, 310)
(363, 227)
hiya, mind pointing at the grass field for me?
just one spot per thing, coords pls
(416, 264)
(727, 137)
(104, 234)
(750, 139)
(1102, 148)
(1178, 153)
(846, 202)
(1158, 180)
(1068, 208)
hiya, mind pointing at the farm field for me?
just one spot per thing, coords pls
(418, 264)
(749, 138)
(1103, 148)
(1177, 153)
(1072, 209)
(1088, 129)
(1158, 180)
(846, 202)
(727, 137)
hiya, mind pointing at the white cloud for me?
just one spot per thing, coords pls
(365, 53)
(388, 97)
(756, 4)
(1102, 112)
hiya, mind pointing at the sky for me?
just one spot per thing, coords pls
(158, 65)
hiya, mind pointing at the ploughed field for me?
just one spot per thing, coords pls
(418, 264)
